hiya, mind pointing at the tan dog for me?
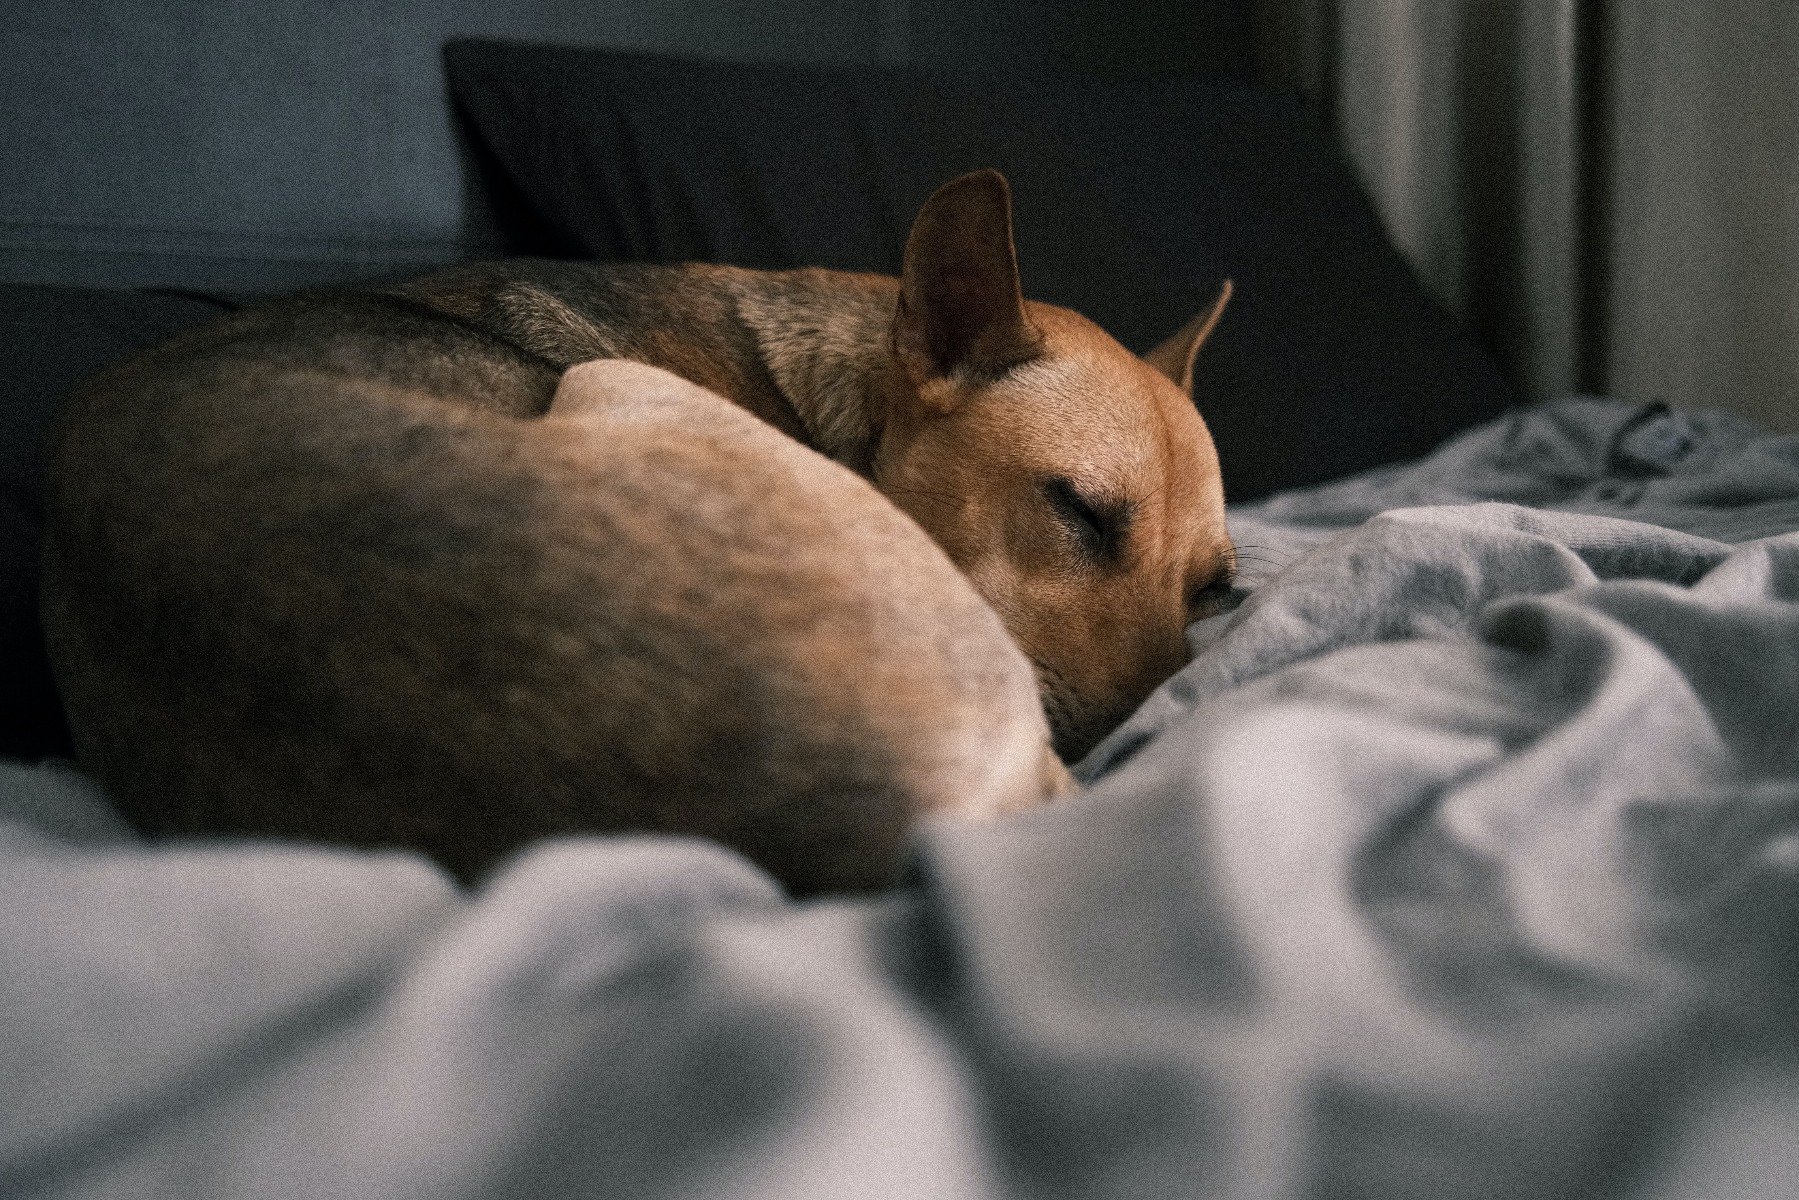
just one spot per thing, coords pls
(1074, 483)
(375, 567)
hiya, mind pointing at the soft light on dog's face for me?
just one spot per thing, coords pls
(1074, 483)
(1080, 493)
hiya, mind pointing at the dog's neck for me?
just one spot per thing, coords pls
(823, 336)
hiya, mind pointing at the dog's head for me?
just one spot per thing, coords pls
(1073, 482)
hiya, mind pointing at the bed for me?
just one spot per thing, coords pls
(1462, 859)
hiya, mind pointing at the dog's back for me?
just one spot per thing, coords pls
(337, 568)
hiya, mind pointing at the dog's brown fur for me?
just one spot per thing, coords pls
(965, 404)
(380, 568)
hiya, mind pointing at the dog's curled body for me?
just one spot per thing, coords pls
(782, 558)
(982, 416)
(348, 567)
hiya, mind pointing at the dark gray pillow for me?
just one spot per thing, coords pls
(50, 339)
(1134, 197)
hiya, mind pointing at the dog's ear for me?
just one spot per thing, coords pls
(961, 309)
(1174, 357)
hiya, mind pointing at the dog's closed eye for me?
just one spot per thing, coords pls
(1099, 526)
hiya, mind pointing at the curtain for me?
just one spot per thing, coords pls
(1607, 191)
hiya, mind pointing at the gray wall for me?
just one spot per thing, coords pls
(1097, 35)
(241, 143)
(248, 144)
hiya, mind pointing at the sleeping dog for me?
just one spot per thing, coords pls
(519, 549)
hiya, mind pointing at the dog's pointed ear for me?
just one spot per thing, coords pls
(1174, 357)
(960, 307)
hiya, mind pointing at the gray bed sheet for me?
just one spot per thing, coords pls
(1463, 860)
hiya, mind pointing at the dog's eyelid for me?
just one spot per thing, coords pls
(1101, 502)
(1099, 522)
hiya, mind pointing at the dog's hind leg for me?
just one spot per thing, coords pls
(886, 689)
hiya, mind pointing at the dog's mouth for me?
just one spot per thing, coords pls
(1074, 728)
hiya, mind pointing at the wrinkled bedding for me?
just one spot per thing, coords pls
(1463, 860)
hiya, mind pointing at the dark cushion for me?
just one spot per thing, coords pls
(50, 339)
(1134, 199)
